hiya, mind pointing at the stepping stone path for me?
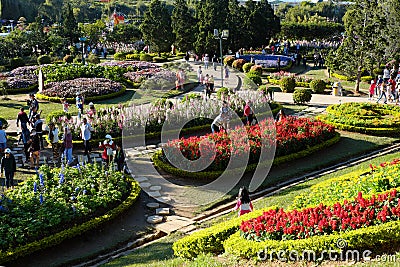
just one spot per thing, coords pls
(145, 185)
(154, 194)
(141, 179)
(311, 111)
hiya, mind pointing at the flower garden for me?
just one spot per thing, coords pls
(292, 135)
(362, 208)
(58, 203)
(374, 119)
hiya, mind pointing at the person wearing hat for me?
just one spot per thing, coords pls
(108, 147)
(8, 166)
(92, 110)
(34, 149)
(3, 139)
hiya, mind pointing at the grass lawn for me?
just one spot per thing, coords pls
(160, 253)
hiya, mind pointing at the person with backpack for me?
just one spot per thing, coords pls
(34, 149)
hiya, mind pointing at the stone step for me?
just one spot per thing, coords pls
(155, 188)
(153, 205)
(145, 185)
(154, 219)
(163, 211)
(151, 147)
(141, 179)
(154, 194)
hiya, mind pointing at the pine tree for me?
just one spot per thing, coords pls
(182, 23)
(156, 27)
(70, 26)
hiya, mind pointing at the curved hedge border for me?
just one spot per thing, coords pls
(298, 84)
(211, 175)
(14, 91)
(382, 131)
(363, 238)
(90, 98)
(210, 240)
(74, 231)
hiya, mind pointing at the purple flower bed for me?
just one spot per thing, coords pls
(22, 77)
(137, 65)
(86, 86)
(139, 76)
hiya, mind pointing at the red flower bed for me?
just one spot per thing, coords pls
(321, 220)
(292, 135)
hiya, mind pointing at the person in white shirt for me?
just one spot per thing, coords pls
(54, 140)
(86, 134)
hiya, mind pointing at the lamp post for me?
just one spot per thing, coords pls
(83, 40)
(224, 35)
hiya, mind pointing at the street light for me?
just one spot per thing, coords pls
(224, 35)
(83, 40)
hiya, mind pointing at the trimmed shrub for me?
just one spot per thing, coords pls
(135, 56)
(254, 77)
(159, 59)
(257, 68)
(77, 60)
(378, 71)
(366, 79)
(287, 84)
(224, 91)
(93, 59)
(301, 96)
(342, 77)
(190, 96)
(44, 59)
(119, 56)
(318, 86)
(238, 64)
(68, 59)
(55, 115)
(247, 66)
(16, 62)
(229, 60)
(146, 57)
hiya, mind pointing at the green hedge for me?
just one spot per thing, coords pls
(28, 89)
(342, 77)
(212, 175)
(74, 231)
(210, 240)
(89, 98)
(394, 132)
(360, 239)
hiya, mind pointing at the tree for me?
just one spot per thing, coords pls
(362, 47)
(156, 27)
(236, 27)
(93, 31)
(70, 26)
(182, 23)
(125, 33)
(211, 14)
(262, 23)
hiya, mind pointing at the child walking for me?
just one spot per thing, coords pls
(243, 203)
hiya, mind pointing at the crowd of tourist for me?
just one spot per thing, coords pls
(387, 86)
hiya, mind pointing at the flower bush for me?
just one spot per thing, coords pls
(276, 224)
(368, 118)
(292, 135)
(376, 179)
(130, 65)
(57, 199)
(86, 86)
